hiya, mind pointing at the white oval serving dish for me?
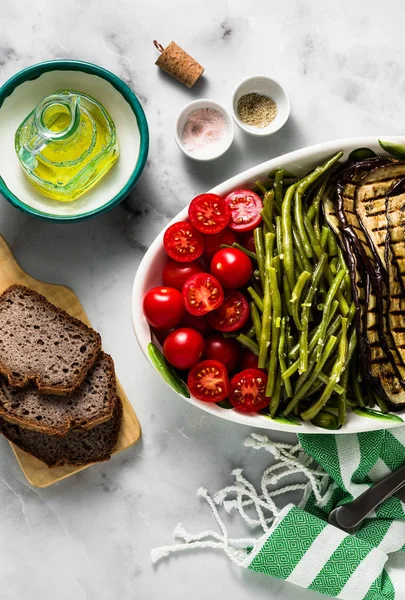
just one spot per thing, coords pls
(149, 272)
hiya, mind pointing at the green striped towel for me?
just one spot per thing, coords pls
(297, 544)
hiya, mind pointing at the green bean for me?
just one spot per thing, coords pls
(166, 371)
(286, 294)
(279, 238)
(303, 341)
(241, 248)
(313, 338)
(324, 237)
(268, 206)
(335, 375)
(325, 378)
(256, 298)
(296, 297)
(304, 389)
(342, 408)
(334, 264)
(259, 245)
(275, 399)
(264, 341)
(269, 240)
(275, 330)
(356, 386)
(262, 188)
(286, 230)
(301, 188)
(282, 358)
(300, 249)
(257, 324)
(327, 420)
(278, 187)
(246, 342)
(312, 238)
(251, 333)
(276, 263)
(298, 262)
(313, 210)
(267, 221)
(381, 403)
(328, 302)
(332, 244)
(344, 307)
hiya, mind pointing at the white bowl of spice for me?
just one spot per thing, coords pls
(204, 130)
(261, 105)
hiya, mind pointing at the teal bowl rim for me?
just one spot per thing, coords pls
(35, 71)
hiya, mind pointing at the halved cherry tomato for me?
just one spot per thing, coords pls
(175, 274)
(247, 391)
(163, 307)
(213, 242)
(200, 324)
(232, 314)
(227, 351)
(231, 267)
(245, 207)
(183, 348)
(183, 242)
(202, 293)
(208, 381)
(209, 213)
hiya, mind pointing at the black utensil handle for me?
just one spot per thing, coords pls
(350, 515)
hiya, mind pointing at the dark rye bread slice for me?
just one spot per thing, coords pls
(80, 429)
(91, 404)
(42, 344)
(79, 447)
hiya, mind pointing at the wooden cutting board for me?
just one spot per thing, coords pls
(37, 472)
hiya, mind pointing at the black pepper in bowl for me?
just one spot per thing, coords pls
(256, 109)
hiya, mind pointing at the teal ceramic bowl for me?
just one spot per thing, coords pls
(20, 94)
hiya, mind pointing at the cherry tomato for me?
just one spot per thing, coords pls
(183, 242)
(247, 240)
(175, 274)
(209, 213)
(214, 242)
(249, 360)
(183, 348)
(232, 267)
(163, 307)
(200, 324)
(232, 314)
(208, 381)
(202, 293)
(247, 390)
(245, 207)
(227, 351)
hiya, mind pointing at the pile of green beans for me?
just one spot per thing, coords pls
(302, 306)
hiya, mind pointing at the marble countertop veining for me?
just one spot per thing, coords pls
(89, 538)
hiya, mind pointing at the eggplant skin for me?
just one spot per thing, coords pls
(362, 185)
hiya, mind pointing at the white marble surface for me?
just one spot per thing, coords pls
(343, 63)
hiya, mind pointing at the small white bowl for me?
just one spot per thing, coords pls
(267, 87)
(181, 120)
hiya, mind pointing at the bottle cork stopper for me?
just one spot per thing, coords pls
(177, 63)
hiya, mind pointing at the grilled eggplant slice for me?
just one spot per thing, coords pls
(395, 211)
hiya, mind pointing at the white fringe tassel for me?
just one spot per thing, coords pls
(290, 460)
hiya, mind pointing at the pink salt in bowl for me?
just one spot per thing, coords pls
(204, 130)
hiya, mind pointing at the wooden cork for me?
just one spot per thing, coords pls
(178, 64)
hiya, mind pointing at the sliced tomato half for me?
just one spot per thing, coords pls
(202, 293)
(208, 381)
(209, 213)
(245, 207)
(247, 391)
(232, 314)
(183, 242)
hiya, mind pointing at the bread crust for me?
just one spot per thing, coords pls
(71, 422)
(35, 378)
